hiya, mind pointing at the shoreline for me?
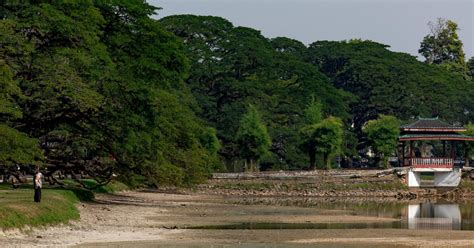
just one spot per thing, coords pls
(147, 219)
(163, 216)
(327, 183)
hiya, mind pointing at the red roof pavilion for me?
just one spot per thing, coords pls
(430, 129)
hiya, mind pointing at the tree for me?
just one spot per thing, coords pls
(253, 138)
(234, 66)
(212, 144)
(383, 134)
(327, 137)
(469, 146)
(100, 87)
(391, 83)
(470, 65)
(16, 148)
(443, 46)
(312, 116)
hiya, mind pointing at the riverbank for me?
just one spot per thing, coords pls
(385, 184)
(257, 210)
(58, 204)
(150, 219)
(17, 208)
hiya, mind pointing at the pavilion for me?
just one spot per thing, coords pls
(429, 146)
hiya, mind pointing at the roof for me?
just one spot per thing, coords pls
(450, 136)
(431, 124)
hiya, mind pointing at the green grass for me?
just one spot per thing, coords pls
(17, 208)
(467, 184)
(111, 187)
(429, 176)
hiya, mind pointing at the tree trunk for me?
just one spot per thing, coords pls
(327, 161)
(312, 160)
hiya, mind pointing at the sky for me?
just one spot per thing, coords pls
(401, 24)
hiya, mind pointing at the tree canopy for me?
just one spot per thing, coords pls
(383, 134)
(391, 83)
(443, 46)
(252, 137)
(101, 89)
(232, 67)
(328, 137)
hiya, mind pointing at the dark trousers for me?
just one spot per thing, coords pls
(37, 194)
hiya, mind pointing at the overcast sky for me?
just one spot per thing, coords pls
(402, 24)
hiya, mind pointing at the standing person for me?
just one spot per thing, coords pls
(38, 184)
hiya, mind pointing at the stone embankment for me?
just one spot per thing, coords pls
(387, 184)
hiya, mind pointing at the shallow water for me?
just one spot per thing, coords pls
(409, 215)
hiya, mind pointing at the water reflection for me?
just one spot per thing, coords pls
(434, 216)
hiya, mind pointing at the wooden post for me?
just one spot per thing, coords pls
(453, 151)
(410, 152)
(403, 153)
(466, 155)
(444, 148)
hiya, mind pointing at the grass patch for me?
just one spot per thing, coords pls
(467, 183)
(17, 208)
(111, 187)
(428, 176)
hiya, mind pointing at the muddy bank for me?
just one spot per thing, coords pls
(147, 219)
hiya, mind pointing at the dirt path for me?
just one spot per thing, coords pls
(142, 219)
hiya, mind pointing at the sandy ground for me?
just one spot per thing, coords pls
(142, 219)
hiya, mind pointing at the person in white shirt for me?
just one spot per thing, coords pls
(38, 184)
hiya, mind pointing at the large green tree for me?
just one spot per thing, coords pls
(383, 134)
(327, 137)
(443, 46)
(313, 115)
(254, 140)
(391, 83)
(16, 147)
(101, 88)
(234, 66)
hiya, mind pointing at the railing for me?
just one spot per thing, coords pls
(432, 162)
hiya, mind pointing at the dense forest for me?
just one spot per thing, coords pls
(100, 89)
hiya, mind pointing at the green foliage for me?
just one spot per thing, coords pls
(327, 137)
(232, 67)
(383, 134)
(104, 89)
(312, 116)
(17, 148)
(443, 46)
(469, 146)
(212, 144)
(391, 83)
(9, 90)
(314, 112)
(210, 141)
(470, 65)
(253, 137)
(100, 86)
